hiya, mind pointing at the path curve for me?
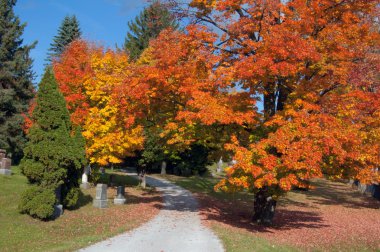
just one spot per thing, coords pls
(177, 227)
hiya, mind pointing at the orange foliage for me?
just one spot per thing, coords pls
(316, 65)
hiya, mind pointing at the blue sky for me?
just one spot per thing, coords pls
(102, 21)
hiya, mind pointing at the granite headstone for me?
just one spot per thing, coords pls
(100, 200)
(120, 197)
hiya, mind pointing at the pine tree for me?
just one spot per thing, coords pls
(67, 33)
(16, 88)
(54, 157)
(148, 25)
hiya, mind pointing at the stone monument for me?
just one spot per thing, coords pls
(120, 197)
(100, 200)
(219, 165)
(85, 184)
(5, 163)
(58, 211)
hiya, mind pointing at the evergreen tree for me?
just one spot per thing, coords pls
(148, 25)
(67, 33)
(54, 157)
(16, 88)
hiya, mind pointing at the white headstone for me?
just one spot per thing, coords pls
(219, 165)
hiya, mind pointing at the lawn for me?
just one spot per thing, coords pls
(331, 217)
(77, 228)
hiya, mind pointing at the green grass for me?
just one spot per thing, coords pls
(73, 230)
(243, 241)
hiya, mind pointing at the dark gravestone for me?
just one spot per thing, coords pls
(58, 211)
(111, 180)
(100, 200)
(120, 196)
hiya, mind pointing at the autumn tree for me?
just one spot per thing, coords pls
(299, 57)
(178, 95)
(71, 71)
(16, 88)
(151, 21)
(110, 127)
(89, 78)
(54, 154)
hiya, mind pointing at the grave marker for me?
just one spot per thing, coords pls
(100, 200)
(120, 197)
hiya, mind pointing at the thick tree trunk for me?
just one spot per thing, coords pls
(264, 207)
(163, 168)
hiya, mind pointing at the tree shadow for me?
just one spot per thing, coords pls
(238, 215)
(83, 200)
(338, 193)
(146, 197)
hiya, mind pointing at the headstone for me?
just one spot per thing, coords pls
(85, 184)
(163, 168)
(120, 197)
(100, 200)
(5, 164)
(3, 154)
(219, 165)
(58, 211)
(112, 180)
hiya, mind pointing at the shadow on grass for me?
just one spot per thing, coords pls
(337, 193)
(238, 215)
(83, 200)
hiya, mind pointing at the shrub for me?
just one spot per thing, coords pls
(38, 202)
(71, 199)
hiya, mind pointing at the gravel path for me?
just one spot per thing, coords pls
(176, 228)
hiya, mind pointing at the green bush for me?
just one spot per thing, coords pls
(38, 202)
(71, 199)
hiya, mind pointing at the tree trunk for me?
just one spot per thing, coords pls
(283, 92)
(269, 100)
(163, 168)
(264, 207)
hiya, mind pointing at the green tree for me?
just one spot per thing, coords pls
(151, 21)
(67, 33)
(54, 154)
(16, 88)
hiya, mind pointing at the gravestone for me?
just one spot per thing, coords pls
(100, 200)
(58, 211)
(5, 163)
(3, 154)
(112, 180)
(219, 165)
(163, 168)
(120, 197)
(85, 184)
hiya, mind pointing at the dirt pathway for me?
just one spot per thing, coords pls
(176, 228)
